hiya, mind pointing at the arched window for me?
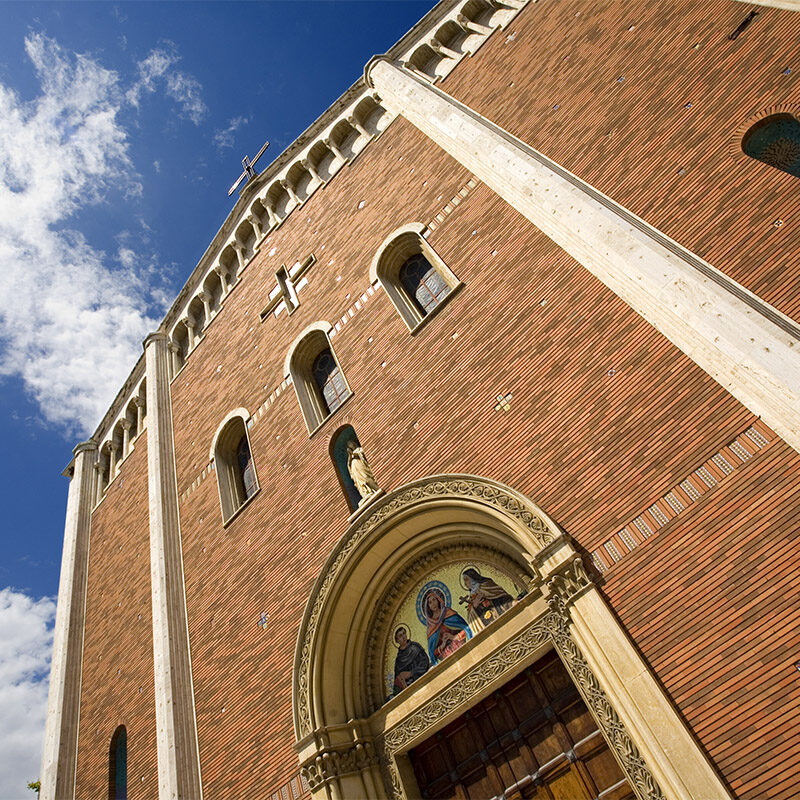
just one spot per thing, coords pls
(317, 375)
(236, 472)
(118, 765)
(329, 380)
(417, 281)
(775, 140)
(425, 286)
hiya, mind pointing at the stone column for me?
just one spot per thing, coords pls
(99, 465)
(112, 460)
(290, 191)
(312, 170)
(742, 342)
(334, 148)
(358, 126)
(176, 728)
(190, 332)
(238, 248)
(126, 437)
(63, 704)
(273, 217)
(222, 272)
(205, 299)
(175, 361)
(139, 403)
(256, 223)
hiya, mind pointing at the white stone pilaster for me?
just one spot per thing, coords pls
(176, 728)
(63, 704)
(745, 344)
(786, 5)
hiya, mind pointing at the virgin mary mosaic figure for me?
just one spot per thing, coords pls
(447, 629)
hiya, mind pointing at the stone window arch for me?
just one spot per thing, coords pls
(353, 741)
(775, 140)
(118, 765)
(234, 464)
(317, 376)
(417, 281)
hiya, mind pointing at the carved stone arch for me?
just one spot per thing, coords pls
(397, 253)
(352, 746)
(372, 549)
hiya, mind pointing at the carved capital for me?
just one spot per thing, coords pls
(330, 764)
(569, 581)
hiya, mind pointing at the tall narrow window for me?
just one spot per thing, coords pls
(118, 765)
(775, 140)
(415, 278)
(317, 376)
(236, 472)
(329, 380)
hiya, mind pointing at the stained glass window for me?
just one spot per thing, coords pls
(247, 471)
(329, 380)
(775, 141)
(423, 282)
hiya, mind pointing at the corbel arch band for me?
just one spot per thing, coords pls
(353, 743)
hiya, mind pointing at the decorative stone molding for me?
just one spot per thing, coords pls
(568, 582)
(331, 764)
(553, 628)
(457, 487)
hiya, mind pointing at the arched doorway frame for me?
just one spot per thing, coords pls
(350, 748)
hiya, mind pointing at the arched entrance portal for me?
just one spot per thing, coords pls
(503, 634)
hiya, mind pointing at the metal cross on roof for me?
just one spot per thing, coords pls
(249, 172)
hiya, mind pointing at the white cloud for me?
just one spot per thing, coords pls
(26, 641)
(224, 138)
(71, 318)
(159, 68)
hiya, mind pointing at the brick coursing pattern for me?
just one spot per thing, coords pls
(682, 496)
(606, 414)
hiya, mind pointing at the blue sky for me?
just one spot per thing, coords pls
(122, 125)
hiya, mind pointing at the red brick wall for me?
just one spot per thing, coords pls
(117, 682)
(630, 139)
(606, 415)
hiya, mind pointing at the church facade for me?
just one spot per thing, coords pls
(465, 464)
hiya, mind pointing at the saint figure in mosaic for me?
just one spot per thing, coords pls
(411, 662)
(447, 629)
(486, 600)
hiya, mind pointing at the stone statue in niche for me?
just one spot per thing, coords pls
(411, 661)
(360, 472)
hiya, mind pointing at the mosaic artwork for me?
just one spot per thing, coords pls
(441, 614)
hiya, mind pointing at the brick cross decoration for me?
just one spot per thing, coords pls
(288, 283)
(503, 403)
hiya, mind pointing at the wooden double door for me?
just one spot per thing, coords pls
(534, 738)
